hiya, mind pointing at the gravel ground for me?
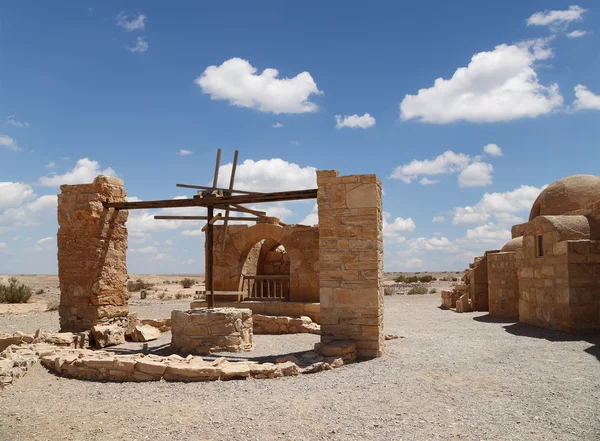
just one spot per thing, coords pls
(450, 376)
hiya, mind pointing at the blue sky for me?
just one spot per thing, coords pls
(125, 89)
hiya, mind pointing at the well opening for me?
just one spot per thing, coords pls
(265, 274)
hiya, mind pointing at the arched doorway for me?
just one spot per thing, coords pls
(266, 271)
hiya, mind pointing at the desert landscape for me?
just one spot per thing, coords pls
(447, 376)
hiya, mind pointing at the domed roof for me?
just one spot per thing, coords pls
(512, 245)
(567, 194)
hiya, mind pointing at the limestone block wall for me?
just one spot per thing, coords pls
(92, 245)
(301, 243)
(584, 285)
(503, 286)
(351, 260)
(479, 284)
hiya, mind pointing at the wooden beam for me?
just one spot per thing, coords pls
(248, 210)
(225, 190)
(231, 218)
(281, 196)
(211, 221)
(231, 179)
(210, 259)
(218, 164)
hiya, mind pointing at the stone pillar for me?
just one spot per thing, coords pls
(351, 260)
(92, 246)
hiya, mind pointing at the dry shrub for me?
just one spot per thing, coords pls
(52, 305)
(454, 279)
(400, 279)
(14, 292)
(187, 283)
(138, 285)
(425, 279)
(40, 291)
(418, 290)
(412, 279)
(388, 290)
(433, 291)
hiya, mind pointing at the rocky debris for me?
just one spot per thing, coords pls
(270, 324)
(346, 349)
(450, 298)
(65, 339)
(391, 336)
(108, 335)
(463, 304)
(15, 360)
(144, 333)
(163, 325)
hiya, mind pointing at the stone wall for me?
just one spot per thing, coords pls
(351, 254)
(301, 243)
(92, 246)
(584, 285)
(503, 286)
(201, 331)
(275, 308)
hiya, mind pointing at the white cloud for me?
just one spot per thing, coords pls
(492, 150)
(399, 225)
(191, 233)
(277, 125)
(267, 175)
(447, 162)
(141, 46)
(497, 85)
(45, 239)
(577, 34)
(168, 242)
(2, 245)
(501, 205)
(184, 152)
(33, 213)
(489, 232)
(585, 99)
(237, 82)
(414, 262)
(13, 194)
(84, 172)
(312, 218)
(477, 174)
(438, 219)
(50, 165)
(131, 22)
(354, 121)
(145, 250)
(13, 122)
(9, 143)
(556, 17)
(427, 181)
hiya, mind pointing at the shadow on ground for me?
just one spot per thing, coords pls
(525, 330)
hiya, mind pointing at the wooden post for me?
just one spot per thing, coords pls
(210, 258)
(231, 180)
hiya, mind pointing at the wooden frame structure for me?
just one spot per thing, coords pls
(216, 198)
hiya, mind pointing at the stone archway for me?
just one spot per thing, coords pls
(301, 243)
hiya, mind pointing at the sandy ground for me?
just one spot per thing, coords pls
(449, 377)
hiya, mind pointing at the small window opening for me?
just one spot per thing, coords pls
(540, 245)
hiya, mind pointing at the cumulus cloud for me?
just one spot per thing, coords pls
(312, 218)
(28, 214)
(9, 143)
(477, 174)
(556, 18)
(354, 121)
(492, 150)
(14, 193)
(585, 99)
(2, 245)
(277, 125)
(13, 122)
(84, 172)
(184, 152)
(577, 34)
(503, 206)
(438, 219)
(141, 46)
(397, 226)
(267, 175)
(497, 85)
(447, 162)
(45, 239)
(51, 164)
(427, 181)
(236, 81)
(131, 22)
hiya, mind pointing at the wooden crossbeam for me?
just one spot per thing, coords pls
(231, 218)
(210, 222)
(216, 202)
(224, 190)
(248, 210)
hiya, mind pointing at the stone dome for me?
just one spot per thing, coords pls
(567, 194)
(512, 245)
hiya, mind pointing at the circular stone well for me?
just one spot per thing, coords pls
(204, 330)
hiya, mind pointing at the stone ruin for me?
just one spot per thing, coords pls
(335, 273)
(548, 274)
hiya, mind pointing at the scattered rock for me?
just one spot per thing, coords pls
(108, 335)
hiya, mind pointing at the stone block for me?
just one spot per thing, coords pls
(108, 335)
